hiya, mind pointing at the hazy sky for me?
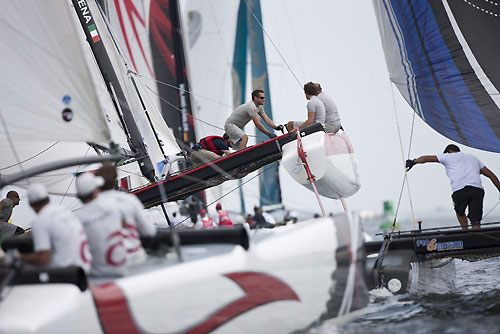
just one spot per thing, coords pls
(337, 43)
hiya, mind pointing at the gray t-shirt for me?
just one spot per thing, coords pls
(6, 209)
(244, 113)
(316, 106)
(332, 116)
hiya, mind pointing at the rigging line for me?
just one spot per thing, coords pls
(32, 157)
(233, 190)
(11, 143)
(272, 42)
(73, 178)
(491, 209)
(403, 157)
(185, 90)
(196, 118)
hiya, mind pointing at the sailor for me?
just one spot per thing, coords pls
(253, 110)
(58, 236)
(103, 223)
(315, 109)
(7, 229)
(222, 218)
(137, 223)
(8, 204)
(210, 149)
(332, 117)
(206, 222)
(464, 172)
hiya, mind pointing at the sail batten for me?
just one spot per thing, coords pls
(435, 55)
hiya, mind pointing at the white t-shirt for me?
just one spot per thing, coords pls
(316, 106)
(331, 113)
(60, 232)
(103, 223)
(462, 169)
(137, 222)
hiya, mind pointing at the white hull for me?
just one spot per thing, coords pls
(288, 279)
(331, 160)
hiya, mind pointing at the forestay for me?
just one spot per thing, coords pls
(443, 57)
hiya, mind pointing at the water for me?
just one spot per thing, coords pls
(473, 308)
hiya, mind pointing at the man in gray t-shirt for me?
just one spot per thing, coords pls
(253, 110)
(7, 205)
(332, 117)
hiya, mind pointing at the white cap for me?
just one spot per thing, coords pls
(87, 182)
(37, 193)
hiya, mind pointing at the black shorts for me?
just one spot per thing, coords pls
(471, 197)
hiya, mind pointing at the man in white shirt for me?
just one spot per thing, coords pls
(332, 117)
(103, 223)
(464, 172)
(315, 109)
(58, 236)
(253, 110)
(137, 223)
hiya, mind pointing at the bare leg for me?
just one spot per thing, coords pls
(243, 142)
(463, 222)
(476, 225)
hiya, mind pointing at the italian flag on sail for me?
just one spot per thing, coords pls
(93, 33)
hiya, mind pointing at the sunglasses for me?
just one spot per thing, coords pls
(261, 97)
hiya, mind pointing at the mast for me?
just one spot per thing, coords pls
(104, 63)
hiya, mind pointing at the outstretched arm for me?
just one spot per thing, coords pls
(426, 158)
(421, 160)
(309, 120)
(489, 174)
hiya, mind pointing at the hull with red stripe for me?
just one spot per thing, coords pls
(288, 279)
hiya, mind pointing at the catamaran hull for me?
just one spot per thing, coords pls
(332, 162)
(290, 278)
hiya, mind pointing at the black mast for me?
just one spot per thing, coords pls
(114, 88)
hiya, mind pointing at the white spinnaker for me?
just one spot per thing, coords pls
(43, 72)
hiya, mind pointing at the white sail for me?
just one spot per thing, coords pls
(149, 97)
(49, 104)
(46, 91)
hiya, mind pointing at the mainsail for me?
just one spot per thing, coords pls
(48, 101)
(443, 57)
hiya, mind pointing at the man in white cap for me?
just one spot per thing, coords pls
(137, 223)
(103, 223)
(58, 236)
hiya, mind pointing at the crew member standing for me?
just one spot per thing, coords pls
(222, 218)
(464, 172)
(253, 110)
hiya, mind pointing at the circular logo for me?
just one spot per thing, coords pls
(67, 114)
(66, 99)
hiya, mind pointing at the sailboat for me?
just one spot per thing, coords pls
(217, 281)
(448, 75)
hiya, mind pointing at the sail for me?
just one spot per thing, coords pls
(49, 106)
(152, 42)
(443, 57)
(44, 78)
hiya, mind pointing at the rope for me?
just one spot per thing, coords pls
(273, 44)
(491, 209)
(238, 187)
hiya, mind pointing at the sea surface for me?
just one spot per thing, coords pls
(473, 308)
